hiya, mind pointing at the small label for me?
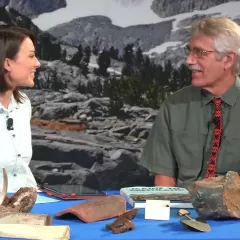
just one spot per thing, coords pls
(157, 209)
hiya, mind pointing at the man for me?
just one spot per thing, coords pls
(196, 133)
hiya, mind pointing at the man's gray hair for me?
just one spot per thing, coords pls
(226, 35)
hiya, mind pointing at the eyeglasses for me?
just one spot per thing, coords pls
(198, 52)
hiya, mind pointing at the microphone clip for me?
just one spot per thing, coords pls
(216, 121)
(10, 124)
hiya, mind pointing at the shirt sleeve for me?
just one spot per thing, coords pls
(157, 154)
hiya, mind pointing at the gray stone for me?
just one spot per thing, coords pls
(217, 197)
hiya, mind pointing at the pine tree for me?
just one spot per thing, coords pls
(104, 62)
(128, 58)
(113, 53)
(112, 89)
(86, 60)
(63, 55)
(45, 47)
(77, 57)
(139, 58)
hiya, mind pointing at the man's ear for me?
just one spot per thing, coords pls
(229, 60)
(7, 65)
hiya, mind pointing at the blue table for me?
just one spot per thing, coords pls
(144, 229)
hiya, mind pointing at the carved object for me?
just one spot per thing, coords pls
(96, 209)
(217, 197)
(123, 222)
(20, 202)
(183, 212)
(192, 223)
(27, 218)
(17, 222)
(25, 231)
(195, 224)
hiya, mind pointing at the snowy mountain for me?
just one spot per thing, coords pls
(141, 22)
(77, 135)
(32, 8)
(124, 13)
(167, 8)
(118, 11)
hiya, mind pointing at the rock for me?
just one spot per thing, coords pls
(218, 197)
(144, 134)
(150, 118)
(84, 156)
(32, 8)
(57, 125)
(73, 145)
(63, 173)
(124, 130)
(84, 31)
(74, 97)
(53, 111)
(167, 8)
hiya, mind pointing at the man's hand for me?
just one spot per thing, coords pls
(161, 180)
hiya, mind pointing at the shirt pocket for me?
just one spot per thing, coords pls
(188, 150)
(231, 155)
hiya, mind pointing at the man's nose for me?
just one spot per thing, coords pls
(190, 59)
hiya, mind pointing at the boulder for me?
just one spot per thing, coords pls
(217, 197)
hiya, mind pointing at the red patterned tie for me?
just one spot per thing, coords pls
(217, 133)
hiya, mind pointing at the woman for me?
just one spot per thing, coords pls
(18, 65)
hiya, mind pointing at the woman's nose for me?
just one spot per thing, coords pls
(38, 64)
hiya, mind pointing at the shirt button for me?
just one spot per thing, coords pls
(19, 155)
(14, 174)
(14, 135)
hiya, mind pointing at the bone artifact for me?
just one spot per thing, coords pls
(17, 222)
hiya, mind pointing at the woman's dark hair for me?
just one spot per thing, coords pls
(11, 38)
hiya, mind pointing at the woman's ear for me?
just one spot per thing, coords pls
(7, 65)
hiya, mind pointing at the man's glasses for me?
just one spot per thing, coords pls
(198, 52)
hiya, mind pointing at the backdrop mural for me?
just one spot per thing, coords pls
(106, 66)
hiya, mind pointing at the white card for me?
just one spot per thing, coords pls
(157, 209)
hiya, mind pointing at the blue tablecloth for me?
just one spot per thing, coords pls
(144, 229)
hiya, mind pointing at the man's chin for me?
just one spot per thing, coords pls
(197, 82)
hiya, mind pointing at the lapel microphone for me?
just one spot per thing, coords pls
(10, 124)
(216, 121)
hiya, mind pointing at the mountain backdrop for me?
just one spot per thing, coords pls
(106, 66)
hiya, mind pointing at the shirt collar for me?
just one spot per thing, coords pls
(229, 97)
(12, 106)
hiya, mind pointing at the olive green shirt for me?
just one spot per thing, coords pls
(180, 140)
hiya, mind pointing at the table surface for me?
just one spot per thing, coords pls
(144, 229)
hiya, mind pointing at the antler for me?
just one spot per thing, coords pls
(5, 186)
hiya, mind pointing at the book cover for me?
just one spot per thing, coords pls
(136, 196)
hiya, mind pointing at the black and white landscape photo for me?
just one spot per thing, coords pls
(106, 66)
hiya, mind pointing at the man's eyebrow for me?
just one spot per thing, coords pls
(195, 46)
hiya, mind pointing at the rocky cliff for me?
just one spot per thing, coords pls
(167, 8)
(32, 8)
(78, 142)
(99, 31)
